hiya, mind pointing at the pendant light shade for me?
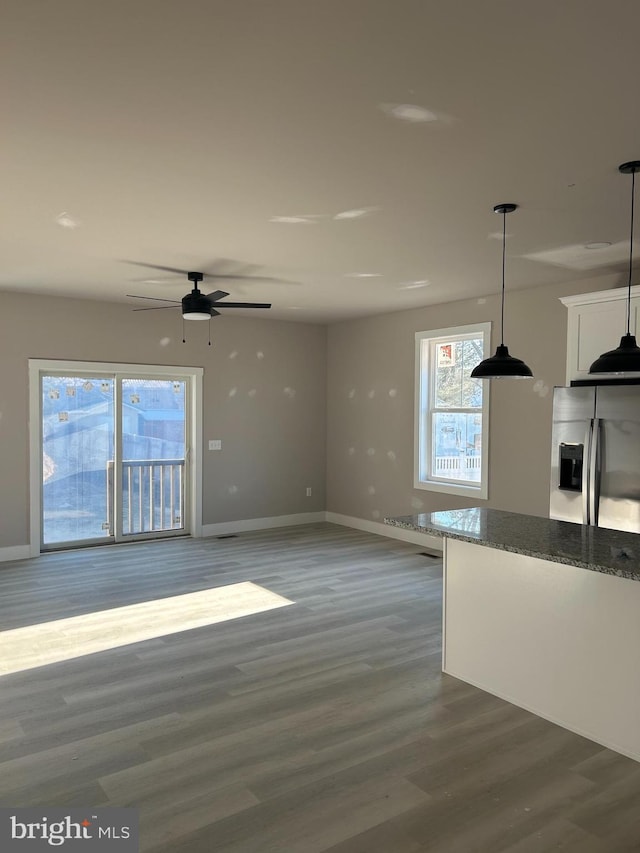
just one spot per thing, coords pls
(626, 357)
(502, 365)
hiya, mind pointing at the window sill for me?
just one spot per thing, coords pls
(477, 491)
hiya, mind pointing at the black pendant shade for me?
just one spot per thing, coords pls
(626, 357)
(623, 359)
(502, 365)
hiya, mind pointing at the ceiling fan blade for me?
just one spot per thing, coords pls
(256, 278)
(166, 280)
(230, 276)
(217, 294)
(243, 305)
(156, 267)
(156, 308)
(215, 269)
(155, 298)
(221, 266)
(238, 271)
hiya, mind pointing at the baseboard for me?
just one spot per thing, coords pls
(246, 524)
(550, 717)
(413, 536)
(23, 552)
(15, 552)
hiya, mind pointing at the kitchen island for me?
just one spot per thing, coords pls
(544, 614)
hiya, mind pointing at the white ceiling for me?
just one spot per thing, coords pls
(173, 133)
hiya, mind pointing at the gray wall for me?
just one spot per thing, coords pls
(371, 404)
(345, 418)
(273, 439)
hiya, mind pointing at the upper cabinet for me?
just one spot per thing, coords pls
(595, 324)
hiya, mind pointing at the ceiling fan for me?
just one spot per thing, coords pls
(197, 305)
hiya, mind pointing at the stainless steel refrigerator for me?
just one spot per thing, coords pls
(595, 456)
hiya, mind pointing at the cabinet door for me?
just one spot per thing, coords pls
(595, 329)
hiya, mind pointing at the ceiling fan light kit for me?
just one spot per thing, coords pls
(501, 365)
(625, 358)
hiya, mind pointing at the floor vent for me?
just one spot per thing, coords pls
(228, 536)
(434, 555)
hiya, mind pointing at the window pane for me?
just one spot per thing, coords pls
(153, 454)
(77, 449)
(153, 419)
(448, 374)
(453, 362)
(456, 446)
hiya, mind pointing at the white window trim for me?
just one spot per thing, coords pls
(193, 375)
(476, 490)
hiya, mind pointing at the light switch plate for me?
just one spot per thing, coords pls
(215, 444)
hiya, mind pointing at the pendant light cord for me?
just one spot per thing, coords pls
(504, 248)
(633, 193)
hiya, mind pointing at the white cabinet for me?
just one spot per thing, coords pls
(595, 324)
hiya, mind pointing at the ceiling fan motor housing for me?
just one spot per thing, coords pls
(196, 306)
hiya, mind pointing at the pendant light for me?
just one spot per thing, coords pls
(626, 357)
(502, 365)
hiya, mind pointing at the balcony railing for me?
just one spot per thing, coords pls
(462, 468)
(458, 463)
(152, 495)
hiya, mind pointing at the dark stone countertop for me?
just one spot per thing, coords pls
(598, 549)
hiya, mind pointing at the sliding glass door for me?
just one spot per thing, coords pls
(114, 451)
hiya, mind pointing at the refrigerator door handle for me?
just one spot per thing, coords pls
(594, 472)
(586, 468)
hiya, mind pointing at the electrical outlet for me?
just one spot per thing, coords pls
(215, 444)
(308, 491)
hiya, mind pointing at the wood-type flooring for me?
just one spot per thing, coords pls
(324, 724)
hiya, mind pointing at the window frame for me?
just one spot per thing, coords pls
(424, 409)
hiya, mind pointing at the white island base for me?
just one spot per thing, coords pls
(558, 640)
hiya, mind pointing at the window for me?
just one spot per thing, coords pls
(452, 411)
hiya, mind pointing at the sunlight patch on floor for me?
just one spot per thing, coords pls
(64, 639)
